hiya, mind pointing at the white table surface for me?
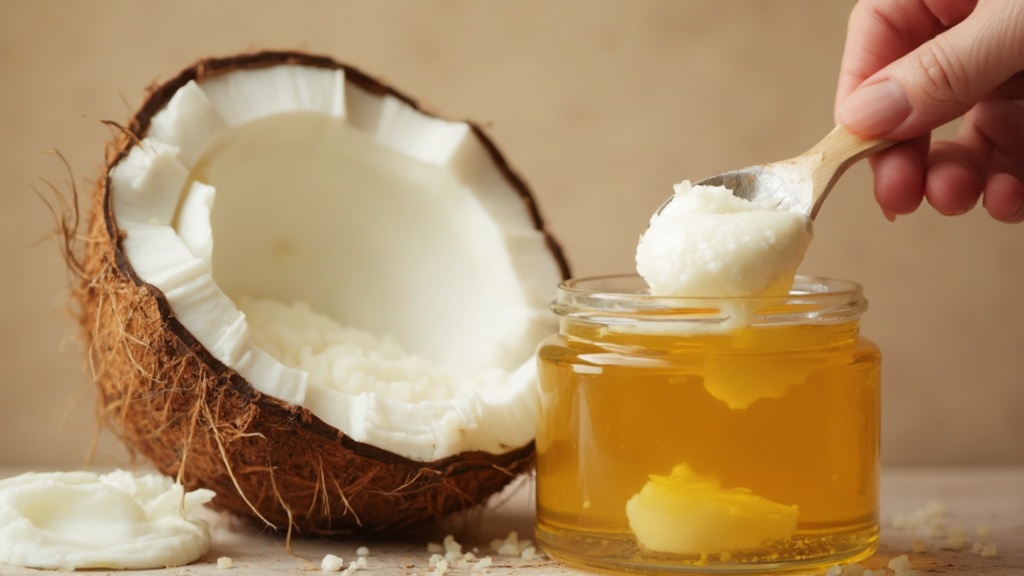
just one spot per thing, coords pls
(987, 498)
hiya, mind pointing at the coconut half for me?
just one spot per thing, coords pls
(306, 293)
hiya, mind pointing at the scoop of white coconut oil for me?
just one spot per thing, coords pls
(706, 242)
(83, 520)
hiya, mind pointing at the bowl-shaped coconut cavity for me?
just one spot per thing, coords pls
(304, 292)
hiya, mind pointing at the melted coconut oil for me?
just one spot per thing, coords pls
(752, 449)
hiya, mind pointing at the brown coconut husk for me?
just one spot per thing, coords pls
(169, 400)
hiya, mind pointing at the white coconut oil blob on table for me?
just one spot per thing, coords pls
(84, 520)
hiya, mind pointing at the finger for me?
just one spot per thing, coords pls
(882, 31)
(999, 125)
(1012, 89)
(1004, 198)
(956, 169)
(1004, 189)
(954, 177)
(942, 78)
(946, 76)
(899, 176)
(959, 171)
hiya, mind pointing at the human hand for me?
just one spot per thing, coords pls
(910, 66)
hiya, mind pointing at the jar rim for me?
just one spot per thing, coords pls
(625, 299)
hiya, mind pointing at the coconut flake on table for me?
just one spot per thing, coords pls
(707, 242)
(84, 520)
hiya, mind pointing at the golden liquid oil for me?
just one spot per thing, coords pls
(789, 412)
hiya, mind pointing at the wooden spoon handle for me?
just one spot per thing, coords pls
(839, 150)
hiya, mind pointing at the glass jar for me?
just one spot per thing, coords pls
(708, 434)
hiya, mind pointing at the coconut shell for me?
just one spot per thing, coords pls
(169, 400)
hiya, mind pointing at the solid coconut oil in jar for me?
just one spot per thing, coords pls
(708, 434)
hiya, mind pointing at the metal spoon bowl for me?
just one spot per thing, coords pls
(799, 184)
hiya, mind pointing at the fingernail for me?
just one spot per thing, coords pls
(874, 110)
(890, 216)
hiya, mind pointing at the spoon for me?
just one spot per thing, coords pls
(799, 184)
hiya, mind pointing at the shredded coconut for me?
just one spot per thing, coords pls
(224, 563)
(354, 361)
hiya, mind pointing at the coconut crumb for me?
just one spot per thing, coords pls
(224, 563)
(440, 568)
(450, 545)
(508, 549)
(901, 566)
(449, 548)
(850, 570)
(362, 551)
(512, 546)
(929, 526)
(452, 549)
(928, 517)
(448, 554)
(355, 565)
(331, 563)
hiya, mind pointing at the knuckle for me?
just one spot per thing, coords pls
(943, 75)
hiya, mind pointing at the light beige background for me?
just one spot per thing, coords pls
(601, 104)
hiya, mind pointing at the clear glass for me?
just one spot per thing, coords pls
(707, 435)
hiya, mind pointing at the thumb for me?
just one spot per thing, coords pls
(942, 78)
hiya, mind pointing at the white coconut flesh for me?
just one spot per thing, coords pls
(345, 252)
